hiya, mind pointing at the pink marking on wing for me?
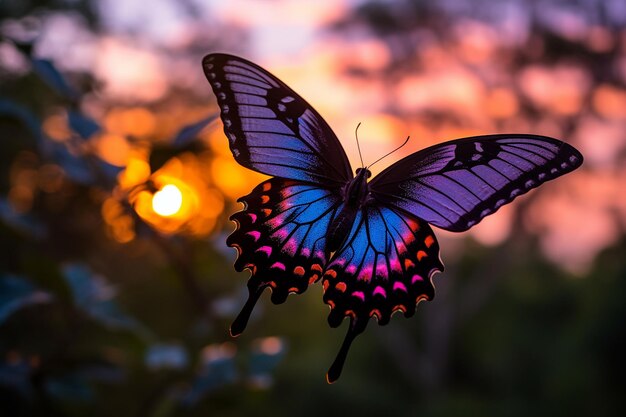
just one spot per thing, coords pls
(255, 234)
(252, 217)
(276, 221)
(366, 273)
(395, 265)
(340, 262)
(359, 294)
(266, 249)
(399, 286)
(319, 255)
(351, 269)
(291, 247)
(306, 252)
(284, 205)
(416, 278)
(380, 290)
(281, 234)
(401, 247)
(278, 265)
(381, 270)
(408, 238)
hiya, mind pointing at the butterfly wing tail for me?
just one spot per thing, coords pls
(334, 372)
(240, 323)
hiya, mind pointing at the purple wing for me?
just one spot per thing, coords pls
(386, 265)
(270, 128)
(280, 238)
(455, 184)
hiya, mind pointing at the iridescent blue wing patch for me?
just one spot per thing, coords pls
(385, 265)
(270, 128)
(280, 238)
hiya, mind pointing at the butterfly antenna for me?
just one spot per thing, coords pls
(356, 134)
(389, 153)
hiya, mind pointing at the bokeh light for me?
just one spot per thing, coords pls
(167, 201)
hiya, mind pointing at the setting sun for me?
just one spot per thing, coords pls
(167, 201)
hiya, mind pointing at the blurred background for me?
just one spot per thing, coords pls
(116, 183)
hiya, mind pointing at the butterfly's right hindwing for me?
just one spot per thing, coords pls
(281, 237)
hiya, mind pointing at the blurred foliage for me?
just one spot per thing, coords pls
(109, 308)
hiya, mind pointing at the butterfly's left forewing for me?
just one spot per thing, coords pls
(455, 184)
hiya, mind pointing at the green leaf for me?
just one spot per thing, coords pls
(17, 293)
(23, 222)
(94, 296)
(190, 132)
(166, 356)
(218, 369)
(48, 72)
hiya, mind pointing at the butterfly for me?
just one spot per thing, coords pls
(368, 241)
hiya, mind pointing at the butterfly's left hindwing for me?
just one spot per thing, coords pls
(280, 238)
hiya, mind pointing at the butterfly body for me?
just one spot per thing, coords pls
(368, 241)
(355, 196)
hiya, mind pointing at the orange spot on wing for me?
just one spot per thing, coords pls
(408, 263)
(351, 313)
(399, 307)
(413, 225)
(376, 312)
(331, 273)
(265, 199)
(272, 284)
(316, 267)
(294, 289)
(429, 241)
(420, 298)
(421, 254)
(314, 278)
(267, 212)
(341, 286)
(325, 285)
(299, 271)
(267, 186)
(331, 303)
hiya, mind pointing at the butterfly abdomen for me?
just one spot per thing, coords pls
(340, 227)
(355, 196)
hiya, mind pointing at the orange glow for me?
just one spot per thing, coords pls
(167, 201)
(184, 203)
(233, 179)
(501, 103)
(610, 101)
(137, 171)
(55, 126)
(560, 89)
(120, 223)
(137, 122)
(112, 148)
(218, 351)
(270, 345)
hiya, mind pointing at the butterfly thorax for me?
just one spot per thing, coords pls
(356, 193)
